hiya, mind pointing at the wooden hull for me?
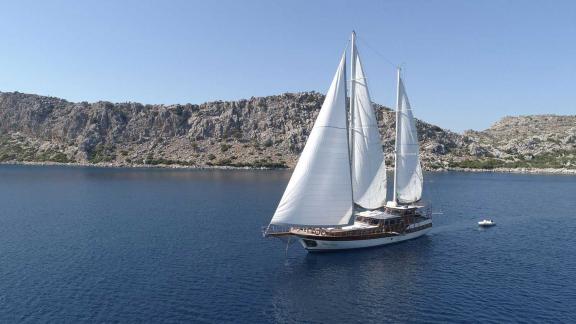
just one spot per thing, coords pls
(324, 244)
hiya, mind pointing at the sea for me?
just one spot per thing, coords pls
(81, 244)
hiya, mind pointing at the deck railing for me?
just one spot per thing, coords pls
(392, 229)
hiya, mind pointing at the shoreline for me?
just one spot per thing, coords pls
(134, 166)
(191, 167)
(512, 170)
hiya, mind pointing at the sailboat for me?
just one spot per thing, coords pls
(336, 196)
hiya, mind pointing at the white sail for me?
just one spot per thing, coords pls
(368, 166)
(408, 175)
(320, 192)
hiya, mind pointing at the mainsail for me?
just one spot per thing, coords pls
(368, 166)
(320, 191)
(408, 173)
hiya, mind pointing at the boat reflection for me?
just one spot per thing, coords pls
(363, 273)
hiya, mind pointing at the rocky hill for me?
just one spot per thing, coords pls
(538, 141)
(257, 132)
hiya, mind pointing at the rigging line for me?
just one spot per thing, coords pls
(346, 81)
(346, 51)
(377, 52)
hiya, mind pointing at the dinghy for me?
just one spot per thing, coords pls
(486, 223)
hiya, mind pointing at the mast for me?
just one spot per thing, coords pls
(348, 127)
(396, 144)
(352, 104)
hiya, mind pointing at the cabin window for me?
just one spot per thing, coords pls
(310, 243)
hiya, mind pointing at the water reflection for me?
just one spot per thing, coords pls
(60, 173)
(351, 279)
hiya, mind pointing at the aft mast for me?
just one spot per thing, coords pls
(394, 201)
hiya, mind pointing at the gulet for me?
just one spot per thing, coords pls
(336, 197)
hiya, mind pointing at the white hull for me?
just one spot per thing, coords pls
(486, 223)
(327, 245)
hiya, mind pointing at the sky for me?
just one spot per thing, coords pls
(465, 64)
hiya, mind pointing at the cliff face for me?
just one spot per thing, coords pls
(258, 132)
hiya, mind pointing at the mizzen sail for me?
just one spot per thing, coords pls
(320, 191)
(408, 172)
(368, 166)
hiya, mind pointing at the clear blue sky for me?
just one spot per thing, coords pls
(467, 63)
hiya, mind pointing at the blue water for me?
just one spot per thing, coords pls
(114, 245)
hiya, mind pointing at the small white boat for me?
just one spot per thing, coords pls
(486, 223)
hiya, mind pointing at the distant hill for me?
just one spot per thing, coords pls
(257, 132)
(537, 141)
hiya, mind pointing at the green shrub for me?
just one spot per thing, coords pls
(101, 153)
(268, 142)
(225, 147)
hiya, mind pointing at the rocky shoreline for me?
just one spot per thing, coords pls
(133, 166)
(562, 171)
(514, 170)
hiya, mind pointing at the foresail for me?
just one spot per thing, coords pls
(368, 166)
(320, 192)
(409, 178)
